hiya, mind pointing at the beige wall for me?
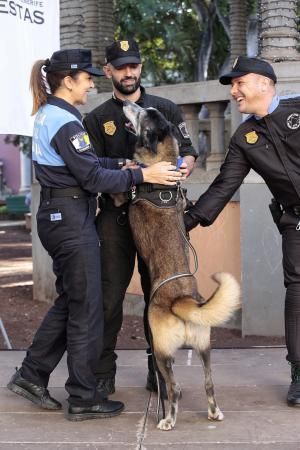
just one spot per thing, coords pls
(217, 247)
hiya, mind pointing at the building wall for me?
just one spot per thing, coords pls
(10, 156)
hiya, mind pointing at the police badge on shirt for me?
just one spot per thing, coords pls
(81, 142)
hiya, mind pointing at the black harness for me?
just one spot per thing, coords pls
(158, 195)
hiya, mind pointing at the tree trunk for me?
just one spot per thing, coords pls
(279, 36)
(88, 24)
(206, 14)
(238, 29)
(71, 24)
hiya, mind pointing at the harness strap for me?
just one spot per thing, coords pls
(167, 280)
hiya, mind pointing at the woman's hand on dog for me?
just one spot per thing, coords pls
(162, 173)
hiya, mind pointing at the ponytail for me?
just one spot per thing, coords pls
(38, 86)
(41, 85)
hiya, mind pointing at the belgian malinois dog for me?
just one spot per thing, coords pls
(178, 315)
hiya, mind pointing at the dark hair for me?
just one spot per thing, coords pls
(39, 82)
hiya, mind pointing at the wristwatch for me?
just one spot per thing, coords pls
(121, 163)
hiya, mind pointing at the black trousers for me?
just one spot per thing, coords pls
(291, 270)
(118, 254)
(66, 227)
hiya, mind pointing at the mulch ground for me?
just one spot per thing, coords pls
(21, 315)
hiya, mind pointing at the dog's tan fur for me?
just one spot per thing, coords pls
(178, 315)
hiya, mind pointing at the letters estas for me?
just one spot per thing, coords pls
(22, 13)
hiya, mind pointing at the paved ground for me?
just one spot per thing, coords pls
(251, 386)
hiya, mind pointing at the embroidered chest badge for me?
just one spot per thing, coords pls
(293, 121)
(251, 137)
(110, 128)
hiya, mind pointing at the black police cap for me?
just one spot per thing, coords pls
(72, 59)
(120, 53)
(244, 65)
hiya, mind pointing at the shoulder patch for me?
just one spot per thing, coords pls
(183, 129)
(293, 121)
(81, 142)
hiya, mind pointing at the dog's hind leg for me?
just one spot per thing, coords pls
(165, 366)
(214, 412)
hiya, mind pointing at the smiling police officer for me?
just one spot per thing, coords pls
(111, 135)
(268, 142)
(70, 175)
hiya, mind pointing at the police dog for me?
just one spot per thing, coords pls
(178, 315)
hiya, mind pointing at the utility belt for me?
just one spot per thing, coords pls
(73, 192)
(295, 210)
(277, 210)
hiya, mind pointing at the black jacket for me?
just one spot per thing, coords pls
(106, 126)
(270, 146)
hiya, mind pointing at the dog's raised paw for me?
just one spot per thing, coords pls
(216, 415)
(166, 424)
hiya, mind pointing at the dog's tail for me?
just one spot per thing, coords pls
(218, 308)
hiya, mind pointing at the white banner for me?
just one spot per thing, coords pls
(29, 30)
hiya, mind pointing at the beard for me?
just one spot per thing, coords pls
(127, 90)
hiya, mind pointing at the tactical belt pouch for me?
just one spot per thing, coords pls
(294, 210)
(276, 210)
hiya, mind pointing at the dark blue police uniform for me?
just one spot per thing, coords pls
(70, 175)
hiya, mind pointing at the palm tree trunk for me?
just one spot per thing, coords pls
(238, 29)
(88, 24)
(279, 36)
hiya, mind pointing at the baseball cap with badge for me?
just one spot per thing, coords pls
(72, 59)
(120, 53)
(244, 65)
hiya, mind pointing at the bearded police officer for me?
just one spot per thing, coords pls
(112, 136)
(268, 142)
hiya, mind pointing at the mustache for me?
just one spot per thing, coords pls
(129, 78)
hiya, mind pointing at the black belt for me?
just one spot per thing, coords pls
(295, 210)
(74, 192)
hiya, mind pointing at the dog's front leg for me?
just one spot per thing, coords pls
(173, 389)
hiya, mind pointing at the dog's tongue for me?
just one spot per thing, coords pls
(129, 127)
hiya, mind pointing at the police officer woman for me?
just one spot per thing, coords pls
(70, 175)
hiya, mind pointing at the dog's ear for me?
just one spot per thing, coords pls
(175, 132)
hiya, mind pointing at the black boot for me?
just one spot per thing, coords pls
(293, 397)
(36, 394)
(106, 386)
(151, 380)
(106, 408)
